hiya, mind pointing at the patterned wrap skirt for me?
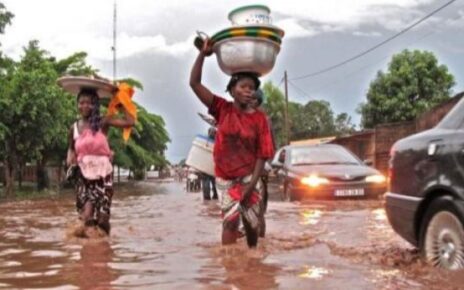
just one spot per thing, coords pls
(232, 213)
(98, 192)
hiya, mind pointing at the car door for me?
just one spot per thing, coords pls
(449, 150)
(452, 165)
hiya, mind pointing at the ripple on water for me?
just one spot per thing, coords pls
(12, 252)
(11, 264)
(314, 273)
(310, 216)
(48, 253)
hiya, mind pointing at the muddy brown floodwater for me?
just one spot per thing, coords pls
(164, 238)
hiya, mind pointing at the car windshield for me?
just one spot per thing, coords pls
(455, 118)
(321, 155)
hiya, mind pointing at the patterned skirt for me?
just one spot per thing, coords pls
(98, 192)
(230, 208)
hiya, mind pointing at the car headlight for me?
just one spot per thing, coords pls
(377, 178)
(314, 180)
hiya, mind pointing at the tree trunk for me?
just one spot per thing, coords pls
(20, 176)
(10, 172)
(43, 181)
(60, 175)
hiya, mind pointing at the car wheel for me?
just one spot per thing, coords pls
(442, 233)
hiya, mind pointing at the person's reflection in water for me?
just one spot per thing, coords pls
(247, 272)
(94, 271)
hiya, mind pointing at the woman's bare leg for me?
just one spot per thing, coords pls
(87, 214)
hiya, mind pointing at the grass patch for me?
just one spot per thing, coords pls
(31, 192)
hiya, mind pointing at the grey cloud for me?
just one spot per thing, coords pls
(166, 76)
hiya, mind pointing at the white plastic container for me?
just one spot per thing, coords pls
(200, 156)
(251, 15)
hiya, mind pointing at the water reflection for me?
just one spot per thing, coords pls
(310, 216)
(380, 221)
(379, 214)
(240, 267)
(172, 241)
(93, 267)
(315, 273)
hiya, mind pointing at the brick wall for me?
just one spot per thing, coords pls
(361, 144)
(375, 144)
(385, 136)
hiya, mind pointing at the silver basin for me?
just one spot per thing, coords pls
(246, 54)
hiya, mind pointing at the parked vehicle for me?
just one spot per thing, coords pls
(325, 170)
(425, 202)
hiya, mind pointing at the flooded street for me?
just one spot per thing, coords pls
(164, 238)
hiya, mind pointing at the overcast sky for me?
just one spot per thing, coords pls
(155, 46)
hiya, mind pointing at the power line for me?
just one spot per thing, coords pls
(354, 72)
(299, 89)
(332, 67)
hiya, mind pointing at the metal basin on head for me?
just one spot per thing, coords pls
(246, 54)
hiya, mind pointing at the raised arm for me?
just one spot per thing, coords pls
(115, 121)
(203, 93)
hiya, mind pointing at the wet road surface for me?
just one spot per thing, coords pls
(164, 238)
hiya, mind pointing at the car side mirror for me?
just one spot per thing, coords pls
(368, 162)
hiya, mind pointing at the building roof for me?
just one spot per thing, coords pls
(313, 141)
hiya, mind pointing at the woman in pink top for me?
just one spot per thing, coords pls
(89, 149)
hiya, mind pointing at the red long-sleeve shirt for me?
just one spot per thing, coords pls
(241, 139)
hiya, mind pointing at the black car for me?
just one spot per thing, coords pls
(325, 170)
(425, 202)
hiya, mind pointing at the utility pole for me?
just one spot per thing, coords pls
(114, 41)
(114, 65)
(287, 128)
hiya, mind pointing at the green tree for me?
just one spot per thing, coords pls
(343, 125)
(31, 106)
(274, 105)
(311, 120)
(5, 17)
(146, 146)
(414, 83)
(74, 65)
(6, 64)
(315, 119)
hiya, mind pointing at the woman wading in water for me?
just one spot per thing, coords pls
(90, 154)
(243, 144)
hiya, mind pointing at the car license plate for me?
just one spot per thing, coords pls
(350, 192)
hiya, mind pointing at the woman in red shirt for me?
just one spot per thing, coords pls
(243, 144)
